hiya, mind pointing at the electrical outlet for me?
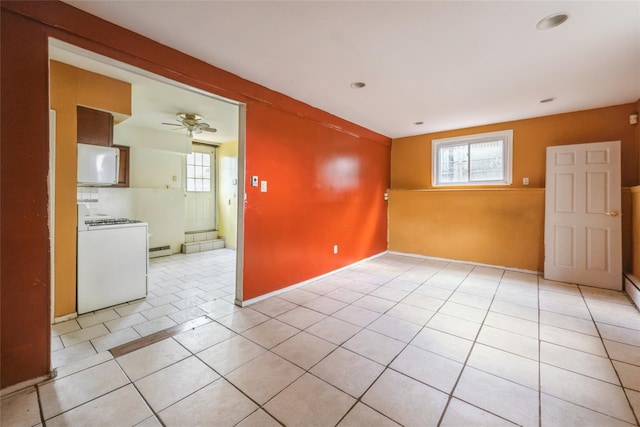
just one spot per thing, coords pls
(525, 181)
(263, 186)
(335, 249)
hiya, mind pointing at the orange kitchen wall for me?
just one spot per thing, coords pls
(69, 87)
(294, 146)
(501, 226)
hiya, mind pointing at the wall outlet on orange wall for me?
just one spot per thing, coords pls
(335, 249)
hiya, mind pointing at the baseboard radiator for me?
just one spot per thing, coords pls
(159, 251)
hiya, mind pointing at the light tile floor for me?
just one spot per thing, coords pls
(397, 340)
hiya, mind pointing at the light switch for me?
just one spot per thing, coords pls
(263, 186)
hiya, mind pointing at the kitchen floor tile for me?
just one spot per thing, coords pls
(230, 354)
(101, 411)
(92, 319)
(579, 362)
(273, 306)
(20, 408)
(153, 326)
(333, 330)
(493, 389)
(259, 419)
(264, 376)
(218, 403)
(590, 393)
(454, 326)
(71, 354)
(558, 412)
(348, 371)
(83, 335)
(505, 365)
(304, 350)
(125, 322)
(186, 377)
(395, 328)
(242, 320)
(516, 403)
(571, 339)
(434, 370)
(301, 317)
(629, 375)
(270, 333)
(357, 315)
(152, 358)
(512, 324)
(69, 392)
(316, 403)
(114, 339)
(444, 344)
(405, 400)
(410, 313)
(623, 352)
(510, 342)
(325, 305)
(461, 414)
(202, 337)
(374, 346)
(361, 415)
(64, 327)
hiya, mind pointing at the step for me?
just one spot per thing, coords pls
(200, 236)
(201, 246)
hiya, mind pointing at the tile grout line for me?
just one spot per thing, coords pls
(466, 360)
(633, 412)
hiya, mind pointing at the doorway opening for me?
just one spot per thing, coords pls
(159, 191)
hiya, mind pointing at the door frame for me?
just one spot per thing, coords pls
(82, 52)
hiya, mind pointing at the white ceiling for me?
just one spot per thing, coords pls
(155, 100)
(449, 64)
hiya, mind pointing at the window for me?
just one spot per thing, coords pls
(481, 159)
(199, 172)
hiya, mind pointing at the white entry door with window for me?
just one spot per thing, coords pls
(200, 200)
(583, 229)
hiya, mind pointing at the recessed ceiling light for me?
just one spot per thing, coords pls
(552, 21)
(418, 123)
(544, 101)
(358, 85)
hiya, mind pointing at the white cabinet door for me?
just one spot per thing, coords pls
(583, 237)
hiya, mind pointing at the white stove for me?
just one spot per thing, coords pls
(113, 260)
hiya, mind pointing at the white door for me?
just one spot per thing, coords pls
(200, 200)
(583, 234)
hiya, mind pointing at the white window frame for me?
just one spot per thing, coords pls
(507, 147)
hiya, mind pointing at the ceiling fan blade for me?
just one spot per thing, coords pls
(172, 124)
(212, 130)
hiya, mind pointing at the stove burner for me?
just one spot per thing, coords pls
(110, 221)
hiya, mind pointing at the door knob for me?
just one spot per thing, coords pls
(612, 213)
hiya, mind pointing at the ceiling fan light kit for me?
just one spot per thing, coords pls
(192, 122)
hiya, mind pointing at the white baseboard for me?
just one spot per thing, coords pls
(306, 282)
(632, 288)
(64, 318)
(518, 270)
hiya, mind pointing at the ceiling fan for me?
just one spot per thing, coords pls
(192, 122)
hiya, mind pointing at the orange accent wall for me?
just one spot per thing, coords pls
(325, 188)
(288, 143)
(501, 225)
(69, 87)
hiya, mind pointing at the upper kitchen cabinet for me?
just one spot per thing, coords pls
(95, 127)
